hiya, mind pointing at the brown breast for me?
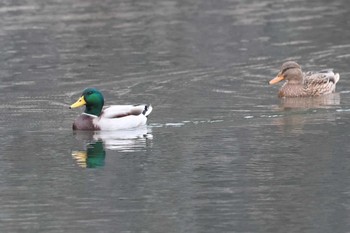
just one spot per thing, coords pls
(292, 90)
(84, 122)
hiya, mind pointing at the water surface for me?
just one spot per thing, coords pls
(221, 153)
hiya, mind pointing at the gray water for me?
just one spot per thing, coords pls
(221, 153)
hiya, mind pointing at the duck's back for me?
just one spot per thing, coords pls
(320, 83)
(117, 111)
(118, 117)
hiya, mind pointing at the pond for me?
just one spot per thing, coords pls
(220, 152)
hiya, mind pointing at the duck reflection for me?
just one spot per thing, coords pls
(301, 111)
(92, 157)
(324, 101)
(96, 143)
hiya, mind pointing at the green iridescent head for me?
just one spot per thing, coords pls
(92, 99)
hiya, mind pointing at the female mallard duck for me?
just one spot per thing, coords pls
(299, 84)
(114, 117)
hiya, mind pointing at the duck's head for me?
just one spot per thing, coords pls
(290, 71)
(92, 99)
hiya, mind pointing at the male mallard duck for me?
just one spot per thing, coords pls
(114, 117)
(300, 84)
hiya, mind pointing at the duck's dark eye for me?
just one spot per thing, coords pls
(89, 93)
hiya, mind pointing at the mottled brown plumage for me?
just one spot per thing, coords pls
(300, 84)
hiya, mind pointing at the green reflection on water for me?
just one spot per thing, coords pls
(93, 157)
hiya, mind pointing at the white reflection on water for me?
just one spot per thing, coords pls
(96, 142)
(125, 140)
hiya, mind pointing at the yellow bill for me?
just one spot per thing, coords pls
(277, 79)
(80, 157)
(80, 102)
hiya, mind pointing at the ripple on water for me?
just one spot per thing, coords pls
(223, 149)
